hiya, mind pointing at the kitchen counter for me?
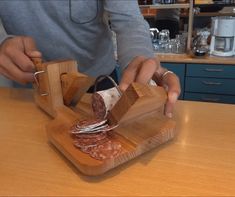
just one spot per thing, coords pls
(185, 58)
(200, 161)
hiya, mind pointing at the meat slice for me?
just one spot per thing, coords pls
(95, 137)
(108, 149)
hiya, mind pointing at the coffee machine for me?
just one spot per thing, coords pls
(223, 36)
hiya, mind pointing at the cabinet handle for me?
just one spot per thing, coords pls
(214, 70)
(211, 83)
(210, 99)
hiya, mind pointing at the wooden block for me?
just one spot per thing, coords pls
(50, 83)
(74, 86)
(136, 101)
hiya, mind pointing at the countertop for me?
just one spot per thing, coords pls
(186, 58)
(200, 161)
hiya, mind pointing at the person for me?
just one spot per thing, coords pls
(168, 19)
(76, 30)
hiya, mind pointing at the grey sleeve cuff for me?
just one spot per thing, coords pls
(3, 34)
(4, 37)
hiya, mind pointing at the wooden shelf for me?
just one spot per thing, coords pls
(188, 5)
(208, 14)
(147, 12)
(166, 6)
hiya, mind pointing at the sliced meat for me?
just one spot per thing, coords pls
(98, 106)
(106, 150)
(94, 138)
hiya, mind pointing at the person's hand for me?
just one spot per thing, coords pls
(15, 62)
(142, 70)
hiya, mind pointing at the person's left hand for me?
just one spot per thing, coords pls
(142, 70)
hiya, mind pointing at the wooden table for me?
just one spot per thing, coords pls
(200, 161)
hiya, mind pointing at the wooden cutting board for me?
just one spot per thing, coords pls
(137, 136)
(139, 113)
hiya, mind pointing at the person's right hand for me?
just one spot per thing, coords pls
(15, 62)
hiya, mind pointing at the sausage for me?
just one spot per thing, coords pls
(103, 101)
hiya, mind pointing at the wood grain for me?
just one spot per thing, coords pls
(62, 83)
(74, 86)
(145, 128)
(137, 100)
(50, 81)
(199, 162)
(134, 138)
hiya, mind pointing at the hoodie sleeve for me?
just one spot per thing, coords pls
(3, 34)
(132, 31)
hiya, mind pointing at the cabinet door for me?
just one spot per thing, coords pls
(179, 70)
(210, 70)
(210, 85)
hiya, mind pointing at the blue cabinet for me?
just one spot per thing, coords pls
(211, 83)
(208, 70)
(179, 70)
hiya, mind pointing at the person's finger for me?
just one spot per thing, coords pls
(30, 48)
(146, 71)
(5, 73)
(170, 104)
(21, 60)
(171, 81)
(29, 45)
(34, 54)
(13, 72)
(129, 74)
(19, 50)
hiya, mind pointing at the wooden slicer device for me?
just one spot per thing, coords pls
(138, 113)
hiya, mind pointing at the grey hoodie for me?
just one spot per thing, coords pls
(76, 29)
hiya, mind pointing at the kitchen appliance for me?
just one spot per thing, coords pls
(223, 36)
(200, 46)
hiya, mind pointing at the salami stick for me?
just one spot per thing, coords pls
(103, 101)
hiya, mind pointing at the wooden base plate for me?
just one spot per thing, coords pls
(136, 137)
